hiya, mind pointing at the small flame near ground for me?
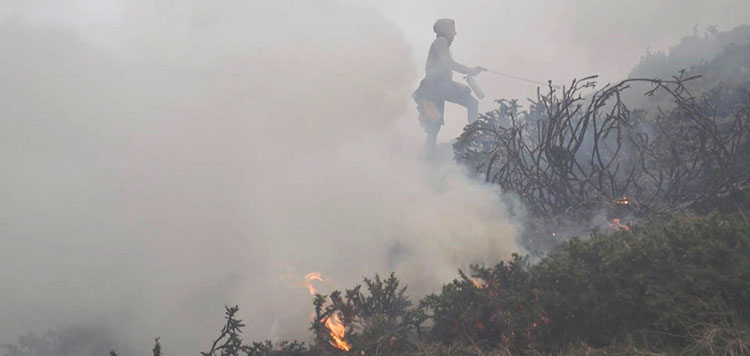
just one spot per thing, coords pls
(478, 283)
(336, 328)
(337, 331)
(616, 223)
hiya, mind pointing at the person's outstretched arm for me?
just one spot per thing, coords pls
(446, 60)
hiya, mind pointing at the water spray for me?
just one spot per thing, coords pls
(480, 93)
(519, 78)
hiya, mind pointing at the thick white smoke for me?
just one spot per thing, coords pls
(190, 154)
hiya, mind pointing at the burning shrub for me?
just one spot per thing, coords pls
(379, 322)
(677, 284)
(497, 307)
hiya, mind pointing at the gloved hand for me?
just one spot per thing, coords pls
(476, 70)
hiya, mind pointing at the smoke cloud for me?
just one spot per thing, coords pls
(187, 155)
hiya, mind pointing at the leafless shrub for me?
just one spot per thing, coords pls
(572, 156)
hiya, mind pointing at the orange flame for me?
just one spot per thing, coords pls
(623, 201)
(308, 278)
(333, 323)
(478, 283)
(337, 329)
(616, 222)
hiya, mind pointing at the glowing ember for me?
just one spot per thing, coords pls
(623, 201)
(337, 329)
(616, 222)
(478, 283)
(308, 278)
(545, 319)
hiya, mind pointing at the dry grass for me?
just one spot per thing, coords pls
(712, 339)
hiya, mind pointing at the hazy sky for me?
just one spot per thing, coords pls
(557, 40)
(540, 39)
(161, 159)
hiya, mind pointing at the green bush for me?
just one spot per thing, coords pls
(651, 283)
(660, 277)
(379, 321)
(497, 307)
(678, 285)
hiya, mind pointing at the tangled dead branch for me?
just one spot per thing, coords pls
(573, 155)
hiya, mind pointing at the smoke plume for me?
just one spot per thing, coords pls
(193, 154)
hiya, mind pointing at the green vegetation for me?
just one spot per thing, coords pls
(673, 286)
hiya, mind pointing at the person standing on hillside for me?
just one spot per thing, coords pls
(438, 85)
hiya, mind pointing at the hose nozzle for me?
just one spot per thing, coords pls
(474, 86)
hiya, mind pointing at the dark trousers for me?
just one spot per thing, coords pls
(440, 91)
